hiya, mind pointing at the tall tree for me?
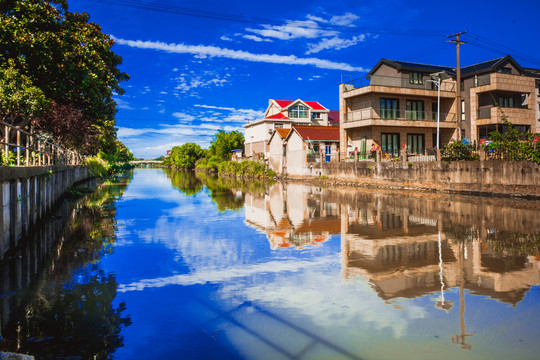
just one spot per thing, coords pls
(64, 55)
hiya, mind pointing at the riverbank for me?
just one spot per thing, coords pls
(478, 178)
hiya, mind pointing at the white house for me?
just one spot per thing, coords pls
(281, 114)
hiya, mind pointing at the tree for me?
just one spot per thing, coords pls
(20, 100)
(65, 56)
(225, 142)
(185, 156)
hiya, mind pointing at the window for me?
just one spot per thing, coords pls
(278, 126)
(506, 70)
(389, 108)
(434, 111)
(415, 78)
(390, 144)
(284, 150)
(415, 143)
(506, 101)
(415, 110)
(315, 115)
(298, 112)
(462, 110)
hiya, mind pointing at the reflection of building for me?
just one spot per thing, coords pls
(293, 215)
(399, 253)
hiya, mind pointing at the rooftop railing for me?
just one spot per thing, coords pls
(400, 82)
(19, 147)
(403, 115)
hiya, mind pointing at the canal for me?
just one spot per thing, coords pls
(162, 264)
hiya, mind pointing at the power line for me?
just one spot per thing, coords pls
(177, 10)
(490, 45)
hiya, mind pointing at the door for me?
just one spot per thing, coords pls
(328, 153)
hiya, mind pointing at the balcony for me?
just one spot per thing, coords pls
(504, 82)
(398, 82)
(385, 117)
(494, 115)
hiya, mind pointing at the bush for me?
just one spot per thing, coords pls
(98, 167)
(459, 150)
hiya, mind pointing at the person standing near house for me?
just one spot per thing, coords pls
(374, 148)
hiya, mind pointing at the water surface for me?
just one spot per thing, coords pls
(183, 267)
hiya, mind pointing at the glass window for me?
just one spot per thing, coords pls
(278, 126)
(506, 70)
(316, 115)
(390, 144)
(298, 112)
(389, 108)
(415, 78)
(415, 110)
(506, 101)
(415, 143)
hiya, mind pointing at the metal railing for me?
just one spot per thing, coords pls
(401, 82)
(19, 147)
(402, 115)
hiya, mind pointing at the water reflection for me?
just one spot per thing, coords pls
(61, 305)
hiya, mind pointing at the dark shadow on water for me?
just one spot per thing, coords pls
(55, 300)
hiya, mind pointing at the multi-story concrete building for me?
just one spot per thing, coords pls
(282, 114)
(398, 105)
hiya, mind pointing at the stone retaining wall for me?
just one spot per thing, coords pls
(507, 178)
(27, 194)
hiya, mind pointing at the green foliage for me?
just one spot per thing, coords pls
(458, 150)
(209, 164)
(250, 169)
(513, 145)
(185, 156)
(56, 55)
(8, 160)
(98, 167)
(225, 142)
(20, 100)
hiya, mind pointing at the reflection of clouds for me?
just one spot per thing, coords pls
(338, 305)
(228, 274)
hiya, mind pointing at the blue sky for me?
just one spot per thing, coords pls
(200, 66)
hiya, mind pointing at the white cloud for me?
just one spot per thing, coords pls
(213, 51)
(344, 20)
(225, 38)
(122, 104)
(292, 30)
(334, 43)
(299, 78)
(183, 117)
(256, 38)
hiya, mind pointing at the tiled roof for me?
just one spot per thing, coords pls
(317, 132)
(333, 117)
(283, 132)
(312, 104)
(277, 116)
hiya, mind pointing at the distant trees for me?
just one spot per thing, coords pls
(225, 142)
(185, 156)
(64, 64)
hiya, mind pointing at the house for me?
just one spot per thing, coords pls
(281, 114)
(398, 108)
(290, 150)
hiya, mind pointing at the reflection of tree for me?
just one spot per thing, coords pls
(185, 181)
(221, 192)
(498, 240)
(74, 320)
(68, 311)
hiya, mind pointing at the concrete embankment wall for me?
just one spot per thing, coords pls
(27, 194)
(507, 178)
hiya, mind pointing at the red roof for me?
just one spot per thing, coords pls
(333, 117)
(317, 132)
(312, 104)
(277, 116)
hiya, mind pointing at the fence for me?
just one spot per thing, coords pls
(32, 149)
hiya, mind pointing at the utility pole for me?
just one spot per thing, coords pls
(458, 72)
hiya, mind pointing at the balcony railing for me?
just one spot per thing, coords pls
(481, 80)
(402, 115)
(400, 82)
(485, 112)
